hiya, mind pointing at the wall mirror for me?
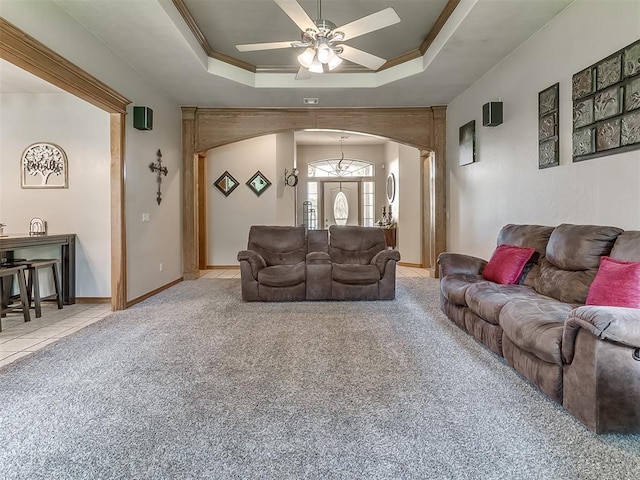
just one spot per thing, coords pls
(391, 187)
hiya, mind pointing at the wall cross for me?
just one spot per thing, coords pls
(160, 170)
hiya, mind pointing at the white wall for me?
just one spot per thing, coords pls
(159, 240)
(229, 218)
(83, 208)
(410, 201)
(505, 184)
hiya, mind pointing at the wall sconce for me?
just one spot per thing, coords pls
(291, 179)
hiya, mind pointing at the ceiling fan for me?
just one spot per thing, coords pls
(323, 41)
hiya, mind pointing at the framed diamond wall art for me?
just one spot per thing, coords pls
(548, 138)
(606, 105)
(226, 184)
(258, 183)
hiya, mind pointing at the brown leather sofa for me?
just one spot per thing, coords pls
(587, 358)
(291, 264)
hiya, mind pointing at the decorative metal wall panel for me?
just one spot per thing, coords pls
(606, 99)
(548, 117)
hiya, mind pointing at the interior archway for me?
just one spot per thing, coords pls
(423, 128)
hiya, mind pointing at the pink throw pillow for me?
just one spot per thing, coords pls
(617, 284)
(507, 263)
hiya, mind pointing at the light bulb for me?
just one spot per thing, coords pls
(334, 62)
(316, 67)
(325, 53)
(306, 57)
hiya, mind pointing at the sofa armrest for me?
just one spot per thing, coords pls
(381, 258)
(254, 259)
(459, 263)
(318, 258)
(615, 324)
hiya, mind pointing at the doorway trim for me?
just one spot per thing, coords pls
(26, 52)
(206, 128)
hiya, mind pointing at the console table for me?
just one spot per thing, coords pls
(390, 236)
(67, 244)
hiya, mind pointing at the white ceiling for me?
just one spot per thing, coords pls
(152, 36)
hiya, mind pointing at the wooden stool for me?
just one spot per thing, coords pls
(33, 285)
(8, 272)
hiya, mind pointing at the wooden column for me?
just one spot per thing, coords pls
(201, 187)
(425, 207)
(189, 195)
(438, 233)
(118, 231)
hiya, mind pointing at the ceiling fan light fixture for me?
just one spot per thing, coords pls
(334, 62)
(306, 57)
(325, 53)
(316, 66)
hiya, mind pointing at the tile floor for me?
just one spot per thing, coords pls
(19, 339)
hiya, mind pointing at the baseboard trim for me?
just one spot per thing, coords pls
(223, 267)
(93, 299)
(412, 265)
(131, 303)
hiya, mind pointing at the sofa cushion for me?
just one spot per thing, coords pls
(278, 245)
(572, 259)
(487, 299)
(627, 247)
(536, 236)
(282, 275)
(355, 274)
(507, 263)
(454, 286)
(536, 327)
(355, 245)
(617, 284)
(579, 247)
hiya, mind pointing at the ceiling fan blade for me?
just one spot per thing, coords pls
(303, 74)
(361, 58)
(297, 14)
(251, 47)
(375, 21)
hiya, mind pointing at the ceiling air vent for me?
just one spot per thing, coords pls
(310, 101)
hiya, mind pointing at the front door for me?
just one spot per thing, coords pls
(340, 204)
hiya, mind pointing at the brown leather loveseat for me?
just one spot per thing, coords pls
(290, 264)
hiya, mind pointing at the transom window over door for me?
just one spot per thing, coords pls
(336, 167)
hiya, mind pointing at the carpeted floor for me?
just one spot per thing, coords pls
(195, 384)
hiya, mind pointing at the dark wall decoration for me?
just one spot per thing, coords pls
(258, 183)
(226, 183)
(467, 140)
(548, 118)
(159, 170)
(606, 105)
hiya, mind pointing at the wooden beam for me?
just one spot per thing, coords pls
(29, 54)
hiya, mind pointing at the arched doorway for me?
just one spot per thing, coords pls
(206, 128)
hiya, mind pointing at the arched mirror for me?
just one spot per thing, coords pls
(391, 187)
